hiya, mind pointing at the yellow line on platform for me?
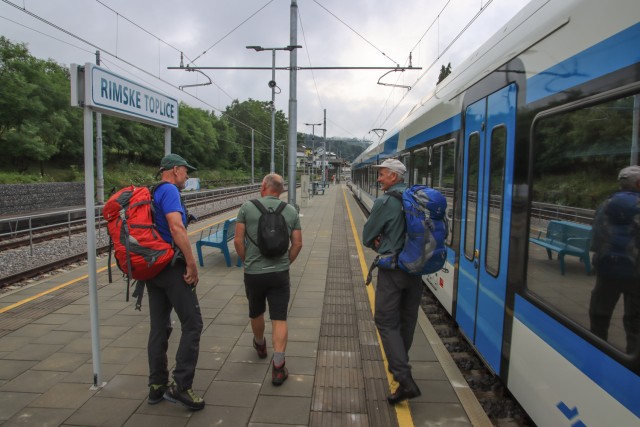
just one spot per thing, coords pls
(48, 291)
(403, 412)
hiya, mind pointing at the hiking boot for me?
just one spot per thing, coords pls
(186, 397)
(407, 389)
(156, 393)
(279, 375)
(260, 349)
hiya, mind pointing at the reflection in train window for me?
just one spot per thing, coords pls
(442, 175)
(420, 163)
(577, 157)
(473, 157)
(496, 191)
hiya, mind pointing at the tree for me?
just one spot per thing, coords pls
(444, 72)
(256, 115)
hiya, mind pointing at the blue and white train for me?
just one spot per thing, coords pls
(526, 138)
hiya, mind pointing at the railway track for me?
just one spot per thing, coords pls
(56, 231)
(232, 201)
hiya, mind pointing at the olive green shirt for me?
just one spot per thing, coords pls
(249, 214)
(387, 221)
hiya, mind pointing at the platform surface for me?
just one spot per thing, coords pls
(337, 375)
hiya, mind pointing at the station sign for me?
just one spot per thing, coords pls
(109, 93)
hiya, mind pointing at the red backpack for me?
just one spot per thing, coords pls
(140, 251)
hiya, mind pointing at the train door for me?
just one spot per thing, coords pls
(486, 219)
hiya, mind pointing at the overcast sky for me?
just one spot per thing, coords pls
(333, 33)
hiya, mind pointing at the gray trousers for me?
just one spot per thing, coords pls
(398, 297)
(167, 291)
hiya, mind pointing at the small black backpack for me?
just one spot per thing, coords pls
(273, 233)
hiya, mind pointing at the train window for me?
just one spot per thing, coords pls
(578, 154)
(496, 191)
(372, 187)
(420, 163)
(472, 195)
(443, 162)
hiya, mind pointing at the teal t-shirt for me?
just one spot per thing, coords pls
(254, 262)
(387, 221)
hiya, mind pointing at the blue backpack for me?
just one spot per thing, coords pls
(424, 250)
(616, 237)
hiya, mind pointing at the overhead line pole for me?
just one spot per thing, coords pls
(293, 103)
(324, 150)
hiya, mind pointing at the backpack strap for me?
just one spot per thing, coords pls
(259, 205)
(263, 211)
(138, 293)
(395, 194)
(281, 207)
(389, 262)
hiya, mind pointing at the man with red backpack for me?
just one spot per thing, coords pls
(174, 288)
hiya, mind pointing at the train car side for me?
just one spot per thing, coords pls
(552, 100)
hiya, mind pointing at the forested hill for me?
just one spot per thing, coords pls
(39, 128)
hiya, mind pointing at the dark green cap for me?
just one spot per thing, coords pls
(171, 160)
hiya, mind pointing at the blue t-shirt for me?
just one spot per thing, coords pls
(166, 199)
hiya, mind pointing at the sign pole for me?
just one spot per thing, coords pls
(91, 246)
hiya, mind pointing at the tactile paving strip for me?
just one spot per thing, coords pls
(350, 388)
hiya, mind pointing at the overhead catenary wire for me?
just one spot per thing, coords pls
(232, 31)
(130, 64)
(440, 54)
(357, 33)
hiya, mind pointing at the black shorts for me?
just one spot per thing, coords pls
(268, 287)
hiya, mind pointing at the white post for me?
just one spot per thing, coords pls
(167, 140)
(99, 158)
(91, 246)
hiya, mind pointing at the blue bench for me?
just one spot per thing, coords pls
(566, 238)
(218, 236)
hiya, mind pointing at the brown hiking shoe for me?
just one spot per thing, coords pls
(279, 375)
(260, 349)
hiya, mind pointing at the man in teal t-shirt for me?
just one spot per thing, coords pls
(267, 279)
(397, 292)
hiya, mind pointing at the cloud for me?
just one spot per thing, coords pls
(332, 33)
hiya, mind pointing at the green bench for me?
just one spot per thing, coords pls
(218, 236)
(566, 238)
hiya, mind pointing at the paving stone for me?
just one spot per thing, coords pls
(12, 402)
(245, 372)
(281, 410)
(9, 369)
(34, 352)
(213, 415)
(41, 417)
(64, 395)
(60, 361)
(233, 393)
(295, 385)
(126, 387)
(33, 381)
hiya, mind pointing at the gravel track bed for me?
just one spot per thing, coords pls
(14, 261)
(500, 406)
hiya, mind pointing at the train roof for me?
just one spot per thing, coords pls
(537, 20)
